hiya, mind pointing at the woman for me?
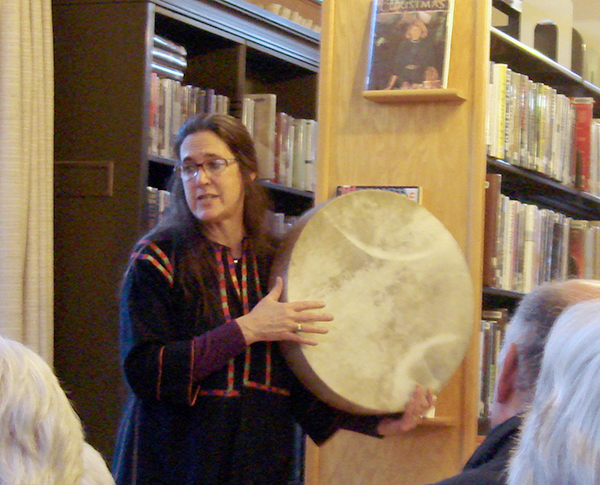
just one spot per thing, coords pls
(213, 401)
(560, 435)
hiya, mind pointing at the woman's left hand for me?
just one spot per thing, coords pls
(414, 413)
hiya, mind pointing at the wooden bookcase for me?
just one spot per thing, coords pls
(416, 139)
(102, 73)
(529, 186)
(432, 143)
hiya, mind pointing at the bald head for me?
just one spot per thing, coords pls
(523, 346)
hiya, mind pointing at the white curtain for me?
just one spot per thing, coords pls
(26, 161)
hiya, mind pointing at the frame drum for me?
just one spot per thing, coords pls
(399, 289)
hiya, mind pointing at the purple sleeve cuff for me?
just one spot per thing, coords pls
(213, 349)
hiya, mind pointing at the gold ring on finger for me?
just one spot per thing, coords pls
(299, 328)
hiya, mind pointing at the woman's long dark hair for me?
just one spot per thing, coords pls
(195, 267)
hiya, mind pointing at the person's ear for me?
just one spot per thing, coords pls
(508, 376)
(253, 176)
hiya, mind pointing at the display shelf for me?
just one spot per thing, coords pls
(440, 422)
(399, 96)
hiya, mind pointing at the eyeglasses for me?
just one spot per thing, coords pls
(212, 168)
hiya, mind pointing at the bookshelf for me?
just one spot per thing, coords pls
(102, 105)
(540, 68)
(439, 146)
(532, 186)
(529, 186)
(442, 148)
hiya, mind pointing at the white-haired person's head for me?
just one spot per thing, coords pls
(41, 436)
(560, 437)
(523, 347)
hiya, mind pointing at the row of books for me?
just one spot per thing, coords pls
(525, 245)
(286, 146)
(494, 324)
(171, 103)
(157, 201)
(531, 125)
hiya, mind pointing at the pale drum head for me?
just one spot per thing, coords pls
(399, 289)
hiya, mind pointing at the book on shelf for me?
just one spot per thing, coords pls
(590, 250)
(595, 158)
(558, 225)
(263, 112)
(535, 245)
(165, 70)
(286, 146)
(409, 44)
(531, 125)
(490, 237)
(157, 201)
(531, 263)
(493, 328)
(310, 128)
(281, 148)
(582, 140)
(171, 103)
(168, 45)
(248, 115)
(595, 227)
(510, 220)
(299, 155)
(283, 223)
(577, 253)
(290, 146)
(169, 59)
(513, 131)
(412, 192)
(499, 73)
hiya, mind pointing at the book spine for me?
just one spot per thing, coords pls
(169, 45)
(500, 74)
(299, 162)
(492, 214)
(583, 123)
(264, 133)
(310, 149)
(577, 248)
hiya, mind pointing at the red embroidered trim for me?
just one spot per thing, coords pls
(242, 292)
(160, 366)
(220, 392)
(263, 387)
(191, 383)
(164, 265)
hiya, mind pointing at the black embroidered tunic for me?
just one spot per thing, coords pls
(204, 408)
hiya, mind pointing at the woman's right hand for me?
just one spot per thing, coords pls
(272, 320)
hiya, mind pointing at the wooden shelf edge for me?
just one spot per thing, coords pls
(440, 422)
(289, 190)
(399, 96)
